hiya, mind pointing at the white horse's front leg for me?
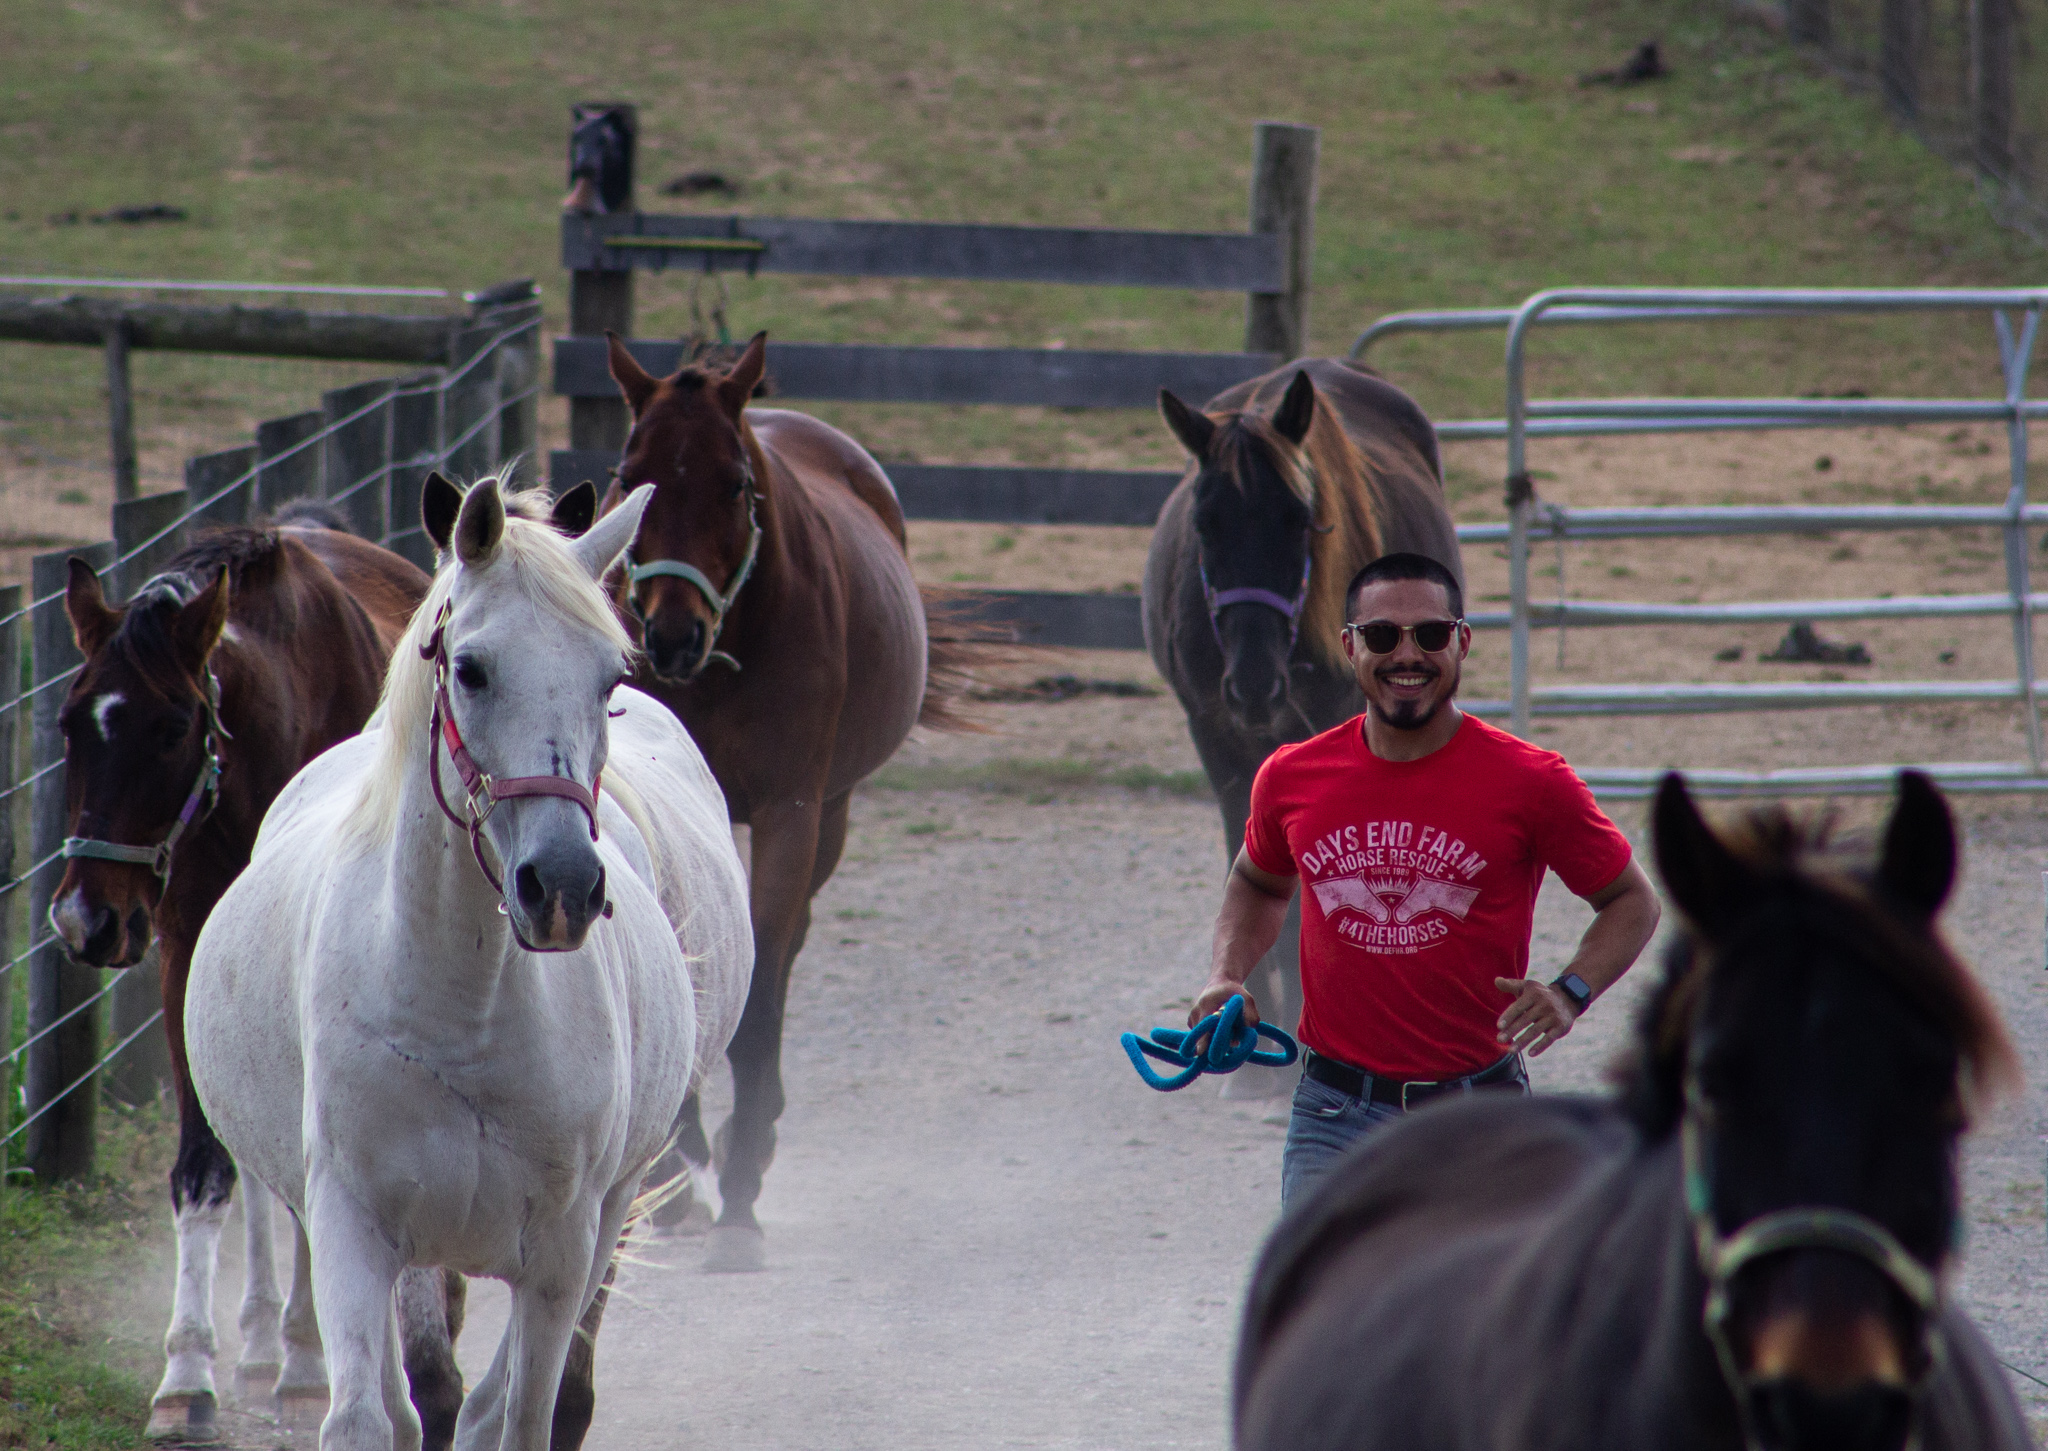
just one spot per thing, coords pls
(546, 1304)
(355, 1269)
(302, 1384)
(262, 1307)
(184, 1405)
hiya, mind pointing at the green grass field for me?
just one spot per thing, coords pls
(422, 143)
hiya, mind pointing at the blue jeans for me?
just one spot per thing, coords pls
(1326, 1124)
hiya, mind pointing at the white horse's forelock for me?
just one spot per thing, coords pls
(550, 576)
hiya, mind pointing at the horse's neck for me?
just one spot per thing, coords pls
(439, 899)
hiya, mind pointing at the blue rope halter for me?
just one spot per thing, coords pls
(1232, 1043)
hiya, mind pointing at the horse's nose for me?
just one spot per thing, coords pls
(1791, 1415)
(675, 652)
(559, 894)
(92, 931)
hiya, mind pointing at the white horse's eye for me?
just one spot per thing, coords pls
(469, 674)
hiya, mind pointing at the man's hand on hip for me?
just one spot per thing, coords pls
(1538, 1017)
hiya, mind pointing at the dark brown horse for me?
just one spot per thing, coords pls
(1748, 1249)
(770, 588)
(257, 649)
(1298, 479)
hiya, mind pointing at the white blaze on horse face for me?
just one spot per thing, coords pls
(103, 707)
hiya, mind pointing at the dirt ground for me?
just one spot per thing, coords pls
(983, 1230)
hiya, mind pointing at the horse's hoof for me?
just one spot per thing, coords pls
(735, 1249)
(185, 1420)
(692, 1223)
(256, 1380)
(301, 1411)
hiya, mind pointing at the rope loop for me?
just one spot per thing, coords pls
(1232, 1043)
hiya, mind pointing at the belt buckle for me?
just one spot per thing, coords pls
(1416, 1083)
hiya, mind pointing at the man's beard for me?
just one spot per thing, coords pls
(1413, 715)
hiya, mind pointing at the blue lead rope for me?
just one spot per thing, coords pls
(1232, 1043)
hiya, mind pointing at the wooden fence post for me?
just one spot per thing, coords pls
(415, 452)
(1284, 203)
(61, 1143)
(289, 470)
(144, 1069)
(597, 301)
(1993, 40)
(469, 405)
(1904, 37)
(11, 774)
(121, 410)
(357, 452)
(208, 477)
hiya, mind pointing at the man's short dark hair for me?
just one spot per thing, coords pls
(1405, 566)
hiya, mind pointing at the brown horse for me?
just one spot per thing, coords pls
(257, 649)
(771, 592)
(1750, 1249)
(1298, 478)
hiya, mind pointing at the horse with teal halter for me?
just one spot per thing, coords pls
(1752, 1248)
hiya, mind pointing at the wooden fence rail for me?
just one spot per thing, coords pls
(1269, 263)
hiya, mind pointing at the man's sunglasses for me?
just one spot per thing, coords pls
(1383, 637)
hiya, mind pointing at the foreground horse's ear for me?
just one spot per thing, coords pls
(1709, 883)
(634, 381)
(574, 511)
(1297, 409)
(607, 539)
(199, 624)
(1918, 867)
(1194, 430)
(739, 385)
(440, 502)
(92, 623)
(480, 527)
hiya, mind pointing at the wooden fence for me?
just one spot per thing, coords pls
(367, 450)
(1269, 263)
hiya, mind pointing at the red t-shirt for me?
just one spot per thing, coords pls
(1420, 882)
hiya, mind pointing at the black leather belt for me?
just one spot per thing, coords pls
(1405, 1093)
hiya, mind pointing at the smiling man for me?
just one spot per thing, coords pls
(1423, 835)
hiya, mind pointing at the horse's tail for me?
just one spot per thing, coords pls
(961, 646)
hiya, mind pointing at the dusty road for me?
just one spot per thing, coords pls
(984, 1232)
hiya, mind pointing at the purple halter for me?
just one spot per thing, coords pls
(1220, 599)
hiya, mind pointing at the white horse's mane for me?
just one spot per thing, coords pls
(550, 576)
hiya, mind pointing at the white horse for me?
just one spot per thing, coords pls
(431, 1070)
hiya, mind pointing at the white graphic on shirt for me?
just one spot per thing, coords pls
(1392, 886)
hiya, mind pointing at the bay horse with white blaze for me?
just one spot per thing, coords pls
(1297, 479)
(253, 652)
(772, 593)
(1750, 1249)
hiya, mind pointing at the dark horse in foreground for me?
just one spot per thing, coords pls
(1749, 1249)
(1299, 478)
(256, 650)
(771, 591)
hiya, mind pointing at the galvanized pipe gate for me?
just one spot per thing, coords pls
(1530, 520)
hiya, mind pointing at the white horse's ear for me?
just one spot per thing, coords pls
(480, 527)
(608, 538)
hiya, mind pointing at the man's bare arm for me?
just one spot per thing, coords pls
(1625, 914)
(1254, 906)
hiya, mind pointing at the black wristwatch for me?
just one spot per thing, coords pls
(1574, 987)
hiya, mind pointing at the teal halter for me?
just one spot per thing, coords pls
(1722, 1258)
(720, 601)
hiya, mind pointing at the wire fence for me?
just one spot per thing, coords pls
(1969, 76)
(367, 452)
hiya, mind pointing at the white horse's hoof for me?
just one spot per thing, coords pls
(255, 1380)
(734, 1249)
(185, 1420)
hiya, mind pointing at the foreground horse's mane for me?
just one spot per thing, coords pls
(552, 578)
(1346, 536)
(1805, 870)
(144, 641)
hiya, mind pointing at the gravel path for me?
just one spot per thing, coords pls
(983, 1231)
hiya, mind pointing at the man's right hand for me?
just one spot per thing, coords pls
(1211, 1000)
